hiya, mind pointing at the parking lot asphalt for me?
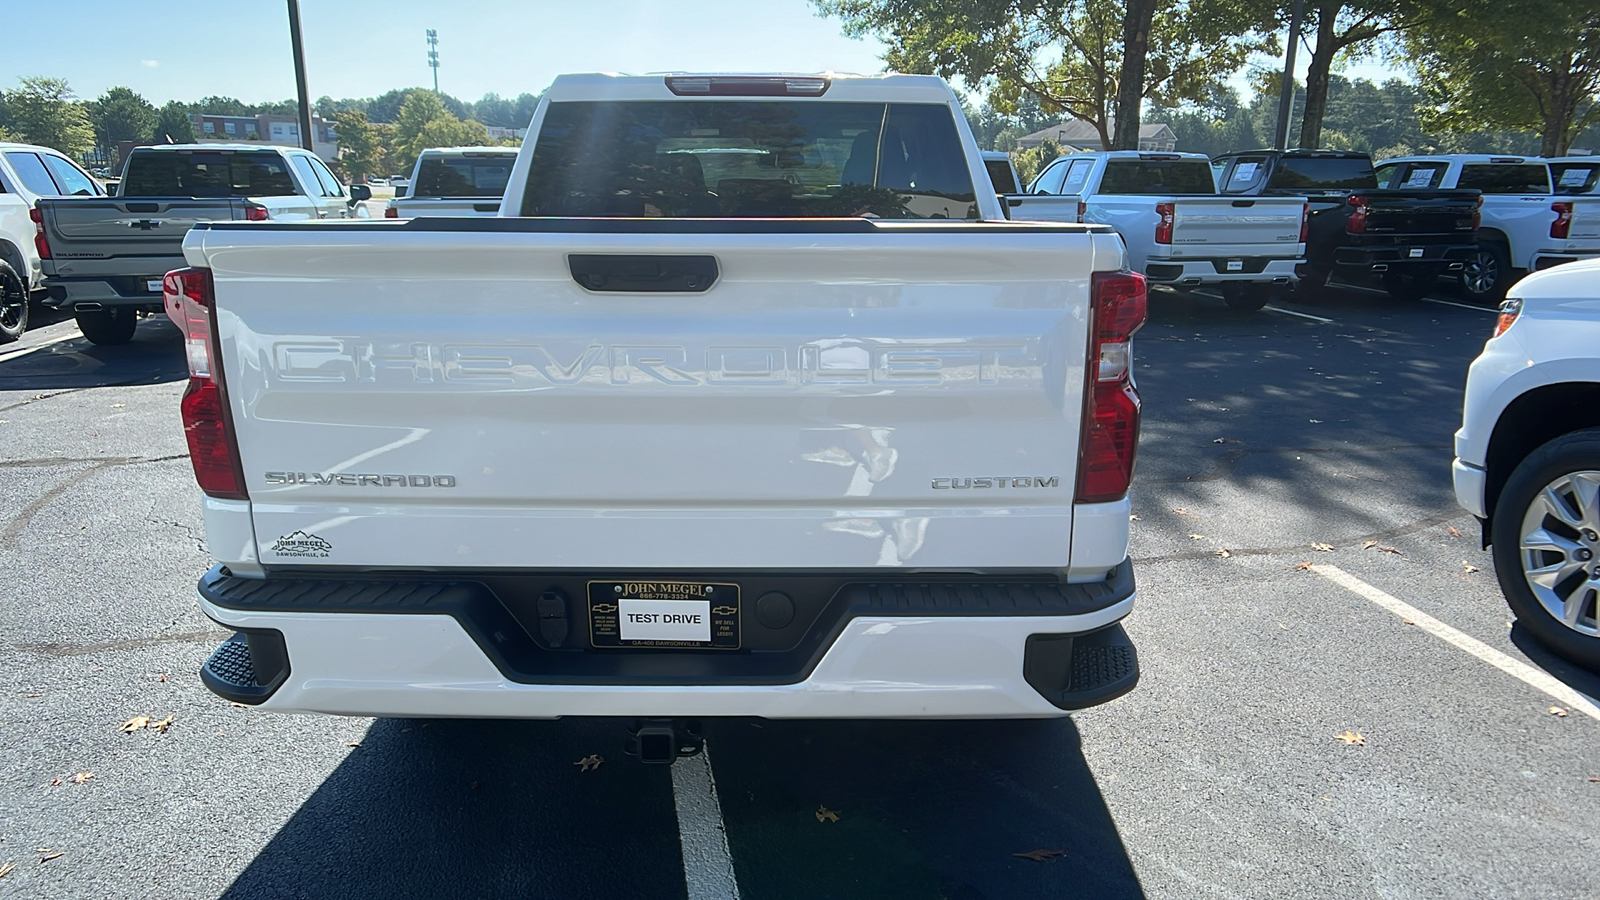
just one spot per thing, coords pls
(1287, 455)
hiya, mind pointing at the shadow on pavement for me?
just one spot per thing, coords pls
(1579, 679)
(926, 810)
(463, 808)
(155, 355)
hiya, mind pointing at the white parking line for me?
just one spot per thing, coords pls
(707, 864)
(1544, 681)
(1490, 310)
(1290, 312)
(24, 351)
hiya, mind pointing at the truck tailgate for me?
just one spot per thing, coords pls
(1585, 227)
(1236, 225)
(1421, 212)
(87, 233)
(845, 393)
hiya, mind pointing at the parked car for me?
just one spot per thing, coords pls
(1404, 238)
(456, 181)
(28, 173)
(103, 257)
(1526, 224)
(1528, 455)
(834, 347)
(400, 183)
(1178, 229)
(1002, 172)
(1575, 174)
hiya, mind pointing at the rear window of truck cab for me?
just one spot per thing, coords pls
(206, 173)
(1575, 177)
(1506, 178)
(464, 175)
(1323, 173)
(1412, 175)
(1156, 175)
(748, 159)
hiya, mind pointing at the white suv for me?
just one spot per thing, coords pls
(1528, 455)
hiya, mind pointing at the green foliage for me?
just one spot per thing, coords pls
(360, 146)
(425, 121)
(1031, 162)
(121, 115)
(44, 111)
(173, 122)
(222, 106)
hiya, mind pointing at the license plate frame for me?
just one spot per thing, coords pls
(607, 601)
(153, 285)
(1235, 265)
(1415, 253)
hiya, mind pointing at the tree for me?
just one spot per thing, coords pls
(173, 124)
(1513, 64)
(44, 111)
(1130, 80)
(359, 145)
(1069, 54)
(425, 122)
(221, 106)
(121, 115)
(1347, 28)
(449, 131)
(494, 109)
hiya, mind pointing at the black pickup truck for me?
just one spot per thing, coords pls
(1404, 238)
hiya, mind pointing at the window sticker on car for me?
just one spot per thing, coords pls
(1245, 173)
(1575, 177)
(1420, 178)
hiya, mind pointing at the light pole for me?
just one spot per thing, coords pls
(433, 57)
(1286, 96)
(300, 76)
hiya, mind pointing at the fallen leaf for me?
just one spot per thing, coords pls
(1353, 737)
(825, 814)
(134, 724)
(1322, 548)
(590, 763)
(1041, 855)
(1368, 545)
(1469, 567)
(1390, 550)
(47, 853)
(1219, 440)
(1315, 421)
(1407, 622)
(6, 869)
(81, 777)
(56, 782)
(1197, 537)
(1303, 566)
(236, 703)
(162, 726)
(1181, 510)
(118, 405)
(1133, 517)
(353, 744)
(1224, 553)
(1558, 712)
(1593, 779)
(1452, 530)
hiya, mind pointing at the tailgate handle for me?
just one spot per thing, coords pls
(1244, 203)
(485, 207)
(643, 274)
(144, 207)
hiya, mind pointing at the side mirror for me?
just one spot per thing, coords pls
(360, 193)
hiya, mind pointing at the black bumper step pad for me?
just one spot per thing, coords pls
(232, 671)
(1077, 671)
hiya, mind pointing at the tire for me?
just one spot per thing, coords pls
(1313, 283)
(13, 304)
(1486, 275)
(1246, 297)
(1539, 525)
(108, 327)
(1408, 287)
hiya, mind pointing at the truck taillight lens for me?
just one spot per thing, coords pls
(1561, 227)
(1305, 221)
(1357, 223)
(1165, 213)
(255, 213)
(1509, 310)
(213, 450)
(391, 213)
(1111, 409)
(40, 243)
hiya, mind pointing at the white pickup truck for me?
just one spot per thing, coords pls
(455, 181)
(1178, 229)
(1529, 222)
(749, 403)
(27, 173)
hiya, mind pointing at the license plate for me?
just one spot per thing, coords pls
(664, 614)
(1416, 252)
(1235, 265)
(153, 286)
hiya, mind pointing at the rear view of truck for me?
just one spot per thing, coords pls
(761, 411)
(459, 181)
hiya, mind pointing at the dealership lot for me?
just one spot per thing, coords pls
(1223, 775)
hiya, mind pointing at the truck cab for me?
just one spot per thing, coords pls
(455, 181)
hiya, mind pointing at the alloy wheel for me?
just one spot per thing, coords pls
(1560, 549)
(1481, 273)
(13, 301)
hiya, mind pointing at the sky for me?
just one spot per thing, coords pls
(188, 49)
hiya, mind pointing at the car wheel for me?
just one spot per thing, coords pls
(106, 327)
(1486, 274)
(1246, 297)
(1313, 282)
(1547, 545)
(13, 304)
(1408, 287)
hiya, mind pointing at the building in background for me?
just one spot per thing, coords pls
(500, 133)
(281, 131)
(1077, 135)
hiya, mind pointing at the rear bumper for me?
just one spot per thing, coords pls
(101, 292)
(1216, 271)
(1544, 259)
(1409, 258)
(890, 652)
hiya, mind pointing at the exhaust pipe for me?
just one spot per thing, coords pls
(661, 741)
(87, 307)
(1381, 267)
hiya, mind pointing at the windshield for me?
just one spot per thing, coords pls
(467, 175)
(206, 173)
(1575, 177)
(1158, 176)
(748, 159)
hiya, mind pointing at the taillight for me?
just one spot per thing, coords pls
(213, 450)
(1562, 226)
(255, 213)
(1165, 213)
(40, 243)
(1111, 409)
(1305, 221)
(1357, 223)
(1509, 310)
(1083, 210)
(391, 213)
